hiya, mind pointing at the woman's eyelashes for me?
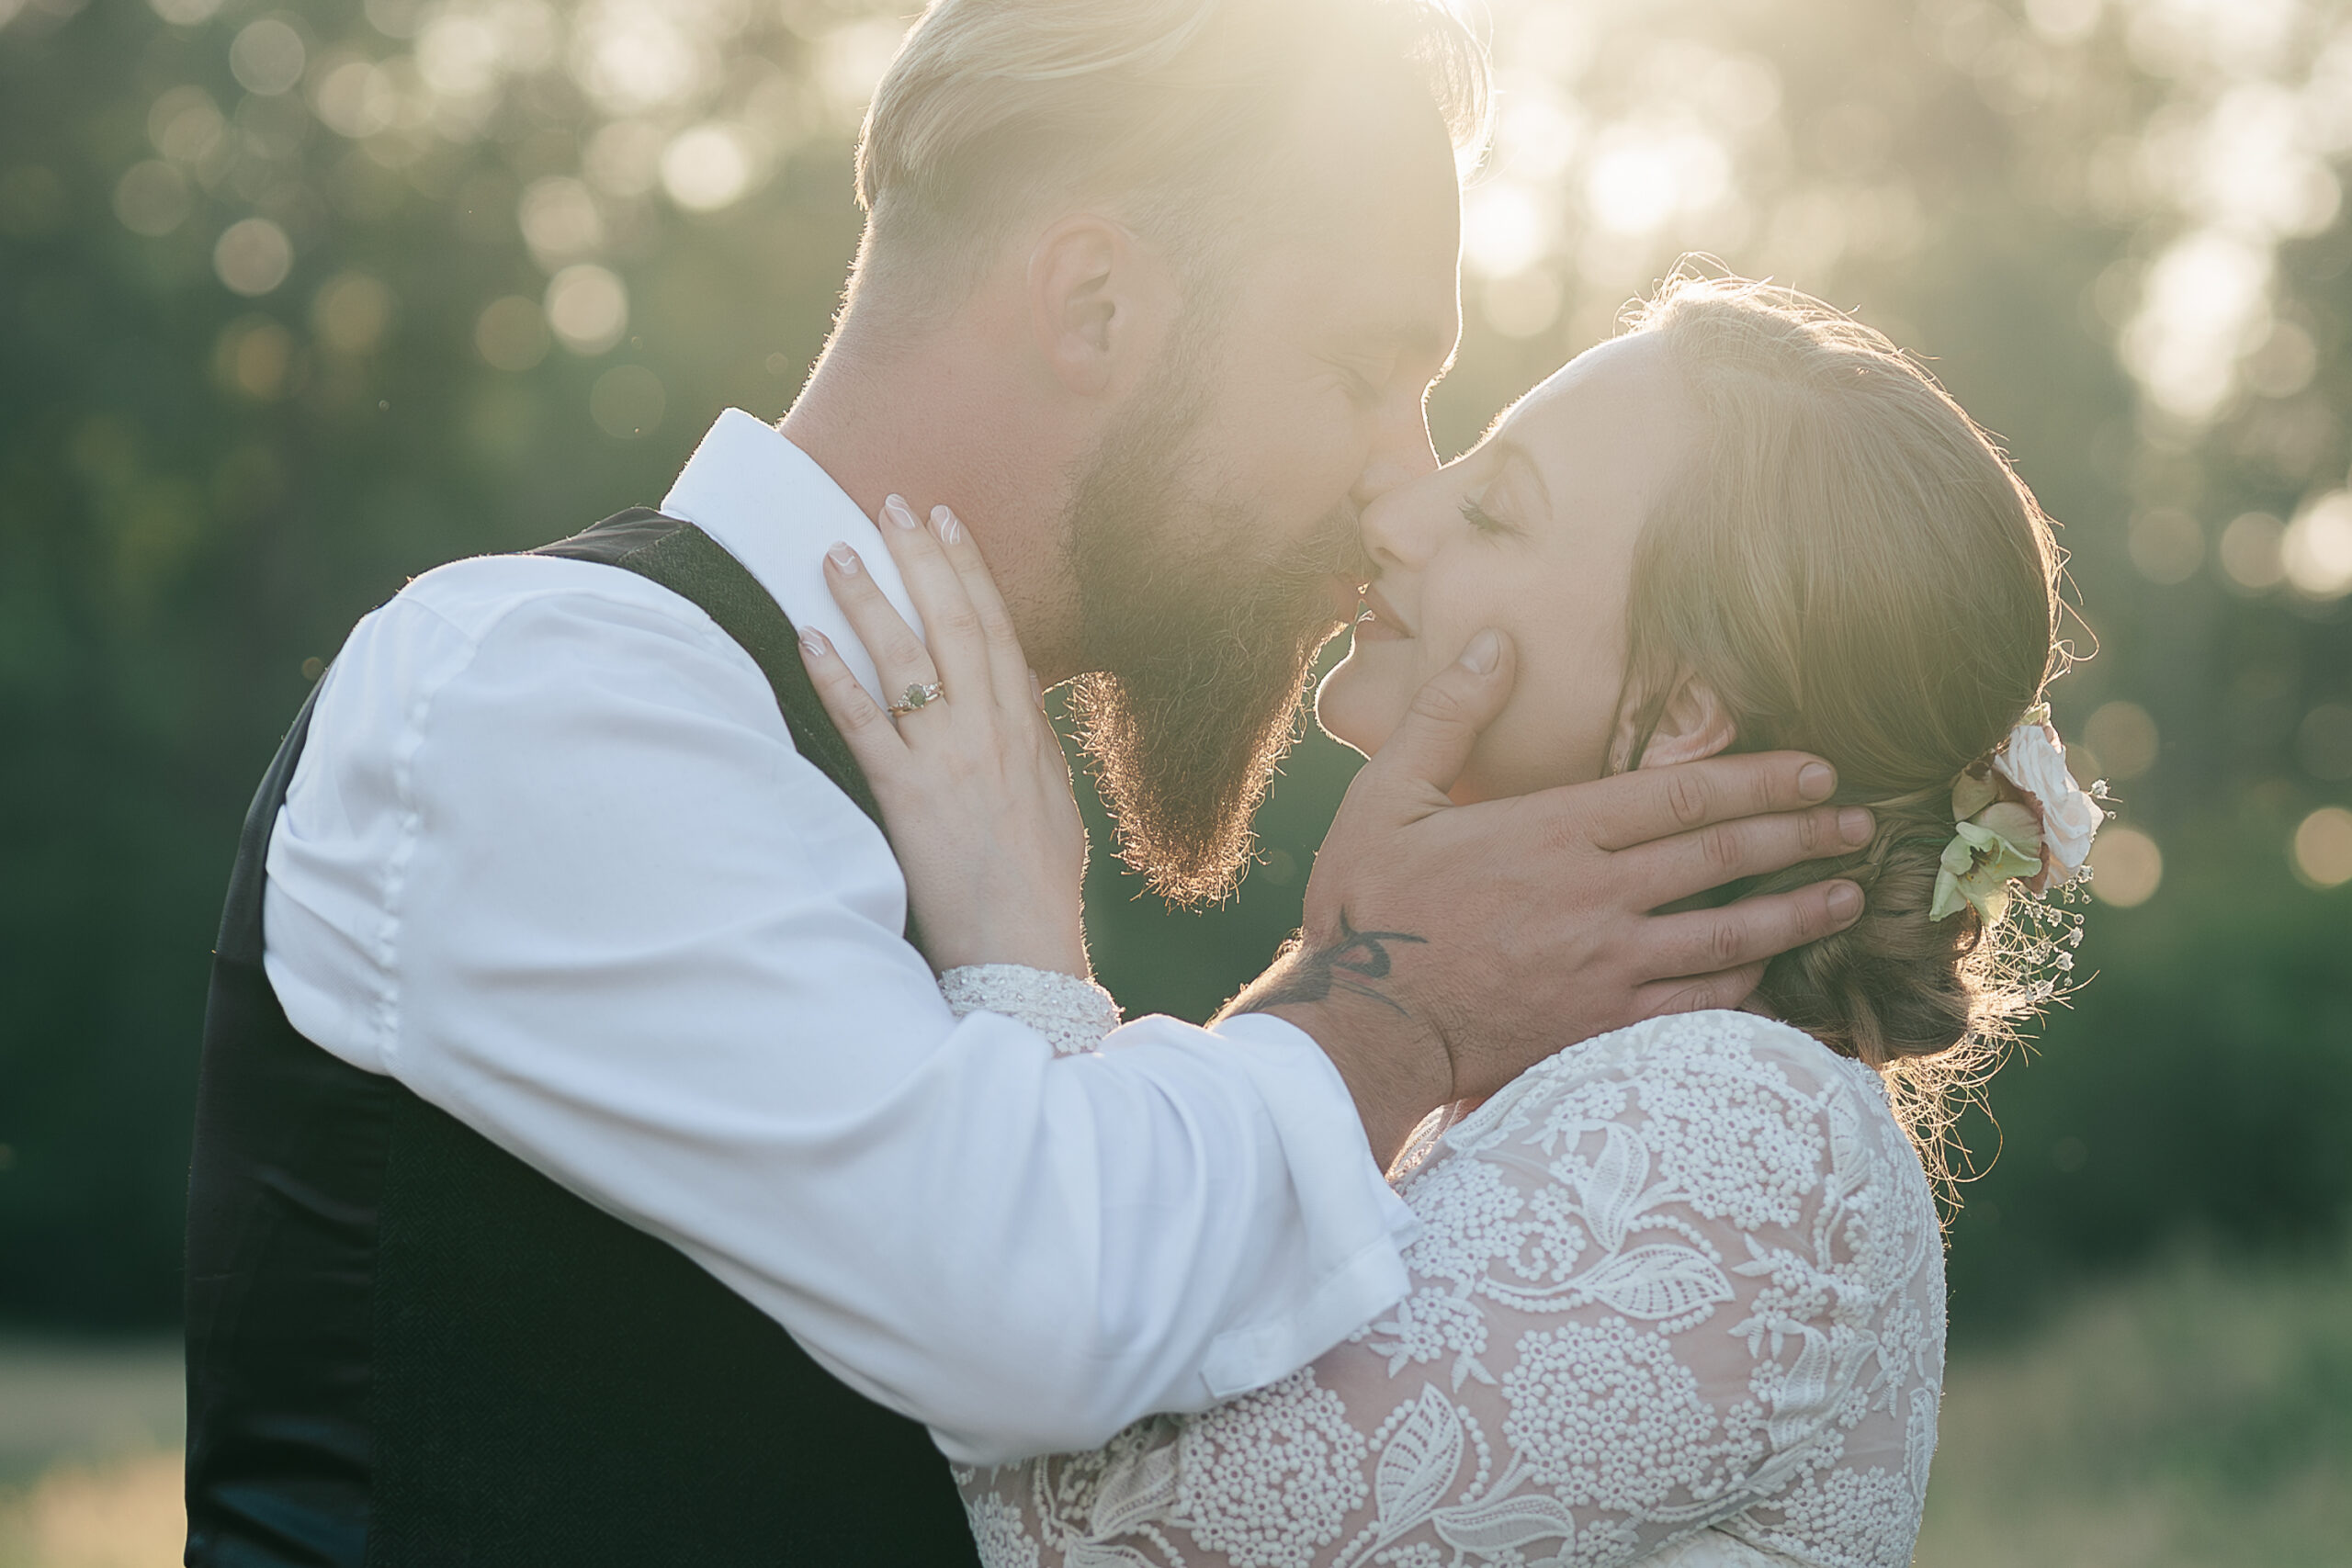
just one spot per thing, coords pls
(1481, 521)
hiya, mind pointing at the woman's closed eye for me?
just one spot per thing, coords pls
(1474, 512)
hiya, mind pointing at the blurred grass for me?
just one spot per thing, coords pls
(89, 1454)
(2197, 1416)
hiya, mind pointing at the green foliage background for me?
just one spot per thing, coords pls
(185, 533)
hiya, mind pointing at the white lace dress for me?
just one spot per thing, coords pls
(1678, 1299)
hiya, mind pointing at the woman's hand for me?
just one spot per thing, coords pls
(974, 789)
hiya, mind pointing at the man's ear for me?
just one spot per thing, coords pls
(1693, 724)
(1098, 302)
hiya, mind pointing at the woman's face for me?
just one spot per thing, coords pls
(1532, 533)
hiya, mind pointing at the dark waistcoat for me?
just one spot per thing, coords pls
(406, 1347)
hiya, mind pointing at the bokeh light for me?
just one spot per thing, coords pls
(510, 334)
(560, 221)
(267, 57)
(253, 256)
(185, 125)
(708, 166)
(2323, 850)
(2316, 553)
(2253, 551)
(153, 199)
(253, 356)
(587, 309)
(2126, 866)
(351, 312)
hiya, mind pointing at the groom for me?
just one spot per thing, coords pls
(587, 1170)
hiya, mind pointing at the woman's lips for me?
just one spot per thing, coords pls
(1378, 621)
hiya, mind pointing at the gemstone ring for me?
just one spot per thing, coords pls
(918, 695)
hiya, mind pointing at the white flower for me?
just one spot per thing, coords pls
(2035, 761)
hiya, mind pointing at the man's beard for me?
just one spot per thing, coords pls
(1199, 637)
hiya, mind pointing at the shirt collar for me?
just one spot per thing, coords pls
(769, 505)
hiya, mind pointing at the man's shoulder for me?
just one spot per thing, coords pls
(475, 594)
(530, 628)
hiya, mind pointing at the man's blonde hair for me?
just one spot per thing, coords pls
(1170, 110)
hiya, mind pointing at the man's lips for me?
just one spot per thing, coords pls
(1379, 620)
(1347, 596)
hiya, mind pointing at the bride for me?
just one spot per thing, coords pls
(1678, 1292)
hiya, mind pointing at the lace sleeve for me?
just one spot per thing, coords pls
(1684, 1278)
(1072, 1014)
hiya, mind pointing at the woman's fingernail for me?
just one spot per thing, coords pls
(1485, 650)
(1856, 825)
(813, 643)
(896, 509)
(844, 559)
(945, 520)
(1815, 780)
(1845, 900)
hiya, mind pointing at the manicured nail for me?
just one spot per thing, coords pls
(1486, 650)
(813, 643)
(1856, 825)
(1845, 900)
(1816, 781)
(945, 520)
(896, 509)
(844, 559)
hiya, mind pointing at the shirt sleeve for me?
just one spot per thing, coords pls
(551, 861)
(1691, 1282)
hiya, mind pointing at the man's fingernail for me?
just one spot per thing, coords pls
(844, 559)
(1816, 781)
(945, 520)
(896, 509)
(1856, 825)
(1485, 650)
(813, 643)
(1845, 900)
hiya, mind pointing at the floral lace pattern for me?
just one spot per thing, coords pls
(1072, 1014)
(1678, 1297)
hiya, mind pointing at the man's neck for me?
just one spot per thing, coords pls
(943, 422)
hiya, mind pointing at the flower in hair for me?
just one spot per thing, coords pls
(1992, 847)
(2034, 760)
(2020, 818)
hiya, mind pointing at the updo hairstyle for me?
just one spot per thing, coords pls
(1854, 568)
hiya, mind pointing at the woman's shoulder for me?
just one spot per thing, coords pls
(1745, 1116)
(1718, 1047)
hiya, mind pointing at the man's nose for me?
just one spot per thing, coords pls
(1398, 528)
(1401, 452)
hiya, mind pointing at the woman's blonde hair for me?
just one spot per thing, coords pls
(1174, 110)
(1853, 566)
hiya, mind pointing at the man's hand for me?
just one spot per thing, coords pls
(1448, 948)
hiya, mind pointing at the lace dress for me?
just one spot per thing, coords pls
(1677, 1298)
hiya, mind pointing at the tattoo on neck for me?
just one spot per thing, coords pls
(1355, 963)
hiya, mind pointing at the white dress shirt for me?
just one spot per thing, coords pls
(551, 861)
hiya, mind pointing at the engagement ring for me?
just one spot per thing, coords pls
(916, 695)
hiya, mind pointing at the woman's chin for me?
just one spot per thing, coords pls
(1349, 708)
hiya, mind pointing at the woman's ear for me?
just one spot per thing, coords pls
(1099, 303)
(1693, 724)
